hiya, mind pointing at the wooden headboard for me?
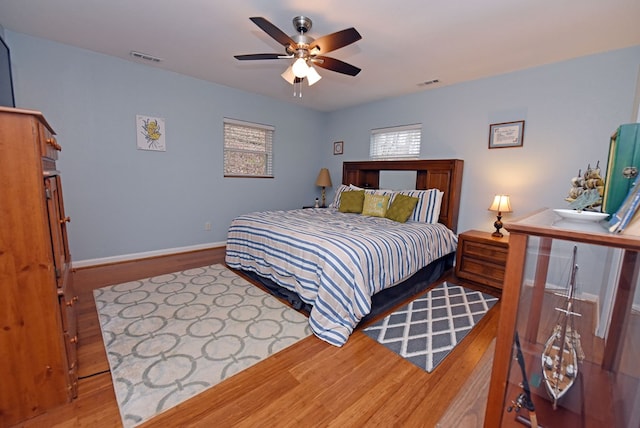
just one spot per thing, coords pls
(443, 174)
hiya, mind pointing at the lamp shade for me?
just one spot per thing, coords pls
(288, 75)
(501, 204)
(324, 179)
(312, 76)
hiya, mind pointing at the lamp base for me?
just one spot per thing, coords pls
(498, 226)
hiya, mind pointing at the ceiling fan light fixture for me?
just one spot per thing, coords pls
(313, 76)
(288, 75)
(300, 68)
(305, 51)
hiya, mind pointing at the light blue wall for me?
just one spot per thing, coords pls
(125, 201)
(570, 110)
(122, 200)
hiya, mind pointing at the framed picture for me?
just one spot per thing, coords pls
(150, 133)
(338, 147)
(507, 134)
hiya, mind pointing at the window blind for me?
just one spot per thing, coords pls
(399, 142)
(248, 149)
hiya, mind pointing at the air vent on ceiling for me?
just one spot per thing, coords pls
(428, 82)
(144, 56)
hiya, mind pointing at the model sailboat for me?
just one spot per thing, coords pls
(563, 351)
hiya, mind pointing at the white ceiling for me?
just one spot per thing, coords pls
(404, 42)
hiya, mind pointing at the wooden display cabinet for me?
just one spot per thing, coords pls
(606, 391)
(38, 364)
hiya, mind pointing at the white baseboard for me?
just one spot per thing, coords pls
(145, 255)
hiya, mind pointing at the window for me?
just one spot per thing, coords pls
(248, 149)
(399, 142)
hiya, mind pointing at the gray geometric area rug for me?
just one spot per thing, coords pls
(426, 329)
(172, 336)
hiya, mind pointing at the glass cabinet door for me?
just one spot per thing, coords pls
(576, 317)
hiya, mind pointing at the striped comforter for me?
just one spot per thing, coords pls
(334, 261)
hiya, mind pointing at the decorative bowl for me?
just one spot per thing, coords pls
(580, 215)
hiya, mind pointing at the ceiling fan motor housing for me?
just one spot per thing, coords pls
(302, 24)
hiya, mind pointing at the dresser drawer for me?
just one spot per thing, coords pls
(49, 146)
(481, 271)
(485, 251)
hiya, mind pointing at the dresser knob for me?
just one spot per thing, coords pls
(65, 220)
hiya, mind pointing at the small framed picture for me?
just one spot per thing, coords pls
(338, 147)
(150, 133)
(507, 134)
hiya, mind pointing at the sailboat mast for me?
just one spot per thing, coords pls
(568, 309)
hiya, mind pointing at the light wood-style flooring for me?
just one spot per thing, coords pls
(308, 384)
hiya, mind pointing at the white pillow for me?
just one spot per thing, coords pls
(336, 199)
(428, 207)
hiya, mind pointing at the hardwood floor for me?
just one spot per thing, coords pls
(310, 383)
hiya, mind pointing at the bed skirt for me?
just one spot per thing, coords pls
(382, 301)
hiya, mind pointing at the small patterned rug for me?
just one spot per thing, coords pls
(426, 329)
(172, 336)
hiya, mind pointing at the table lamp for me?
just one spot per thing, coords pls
(324, 181)
(501, 204)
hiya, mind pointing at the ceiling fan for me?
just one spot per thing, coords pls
(306, 50)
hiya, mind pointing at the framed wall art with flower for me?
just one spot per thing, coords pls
(150, 133)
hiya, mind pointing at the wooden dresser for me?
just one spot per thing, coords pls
(38, 365)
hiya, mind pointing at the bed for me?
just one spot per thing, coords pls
(343, 268)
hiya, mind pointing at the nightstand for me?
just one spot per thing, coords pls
(482, 258)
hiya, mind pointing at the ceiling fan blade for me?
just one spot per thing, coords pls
(261, 56)
(335, 65)
(336, 40)
(276, 33)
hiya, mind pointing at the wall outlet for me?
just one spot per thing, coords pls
(207, 226)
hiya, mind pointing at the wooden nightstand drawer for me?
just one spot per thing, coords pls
(482, 258)
(485, 251)
(481, 271)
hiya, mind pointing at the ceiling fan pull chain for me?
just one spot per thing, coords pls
(297, 92)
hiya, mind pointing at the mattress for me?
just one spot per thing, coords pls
(334, 261)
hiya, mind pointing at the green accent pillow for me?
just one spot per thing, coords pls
(401, 208)
(375, 205)
(351, 201)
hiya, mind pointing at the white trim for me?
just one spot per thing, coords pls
(585, 297)
(248, 124)
(635, 116)
(614, 261)
(145, 255)
(412, 127)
